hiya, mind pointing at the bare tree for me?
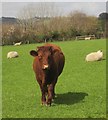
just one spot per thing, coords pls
(38, 10)
(0, 33)
(82, 23)
(26, 17)
(38, 14)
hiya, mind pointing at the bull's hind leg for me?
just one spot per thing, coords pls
(53, 96)
(53, 92)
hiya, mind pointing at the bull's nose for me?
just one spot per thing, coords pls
(45, 67)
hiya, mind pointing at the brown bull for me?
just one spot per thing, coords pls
(48, 65)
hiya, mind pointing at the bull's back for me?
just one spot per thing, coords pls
(55, 47)
(59, 61)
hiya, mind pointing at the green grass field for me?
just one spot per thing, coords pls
(81, 88)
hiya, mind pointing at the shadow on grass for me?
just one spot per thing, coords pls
(101, 60)
(70, 98)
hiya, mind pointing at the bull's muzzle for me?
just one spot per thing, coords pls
(45, 67)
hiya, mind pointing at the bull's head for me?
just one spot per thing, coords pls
(44, 54)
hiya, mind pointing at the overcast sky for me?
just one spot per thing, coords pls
(12, 9)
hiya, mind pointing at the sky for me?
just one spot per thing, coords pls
(90, 7)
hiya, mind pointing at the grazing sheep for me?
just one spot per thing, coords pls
(17, 44)
(94, 56)
(87, 38)
(12, 54)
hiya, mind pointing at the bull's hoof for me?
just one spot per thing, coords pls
(54, 96)
(43, 103)
(48, 104)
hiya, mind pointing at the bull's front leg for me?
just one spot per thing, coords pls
(50, 94)
(43, 90)
(42, 87)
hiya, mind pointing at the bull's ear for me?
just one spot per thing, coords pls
(37, 48)
(52, 50)
(33, 53)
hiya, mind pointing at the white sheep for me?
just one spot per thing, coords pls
(17, 44)
(12, 54)
(94, 56)
(87, 38)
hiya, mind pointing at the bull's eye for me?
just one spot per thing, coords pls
(39, 56)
